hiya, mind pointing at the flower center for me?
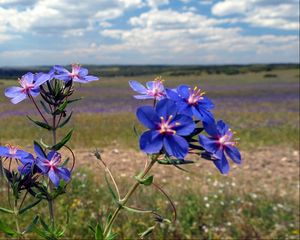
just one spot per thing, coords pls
(195, 96)
(166, 127)
(55, 160)
(12, 150)
(25, 85)
(75, 70)
(227, 139)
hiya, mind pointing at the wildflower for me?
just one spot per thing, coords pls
(220, 142)
(192, 102)
(30, 84)
(11, 151)
(28, 165)
(154, 89)
(166, 129)
(78, 74)
(49, 165)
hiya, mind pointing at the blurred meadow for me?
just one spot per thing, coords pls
(257, 200)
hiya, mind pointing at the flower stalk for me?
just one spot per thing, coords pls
(123, 201)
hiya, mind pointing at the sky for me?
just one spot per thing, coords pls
(47, 32)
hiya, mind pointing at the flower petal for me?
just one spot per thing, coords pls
(211, 129)
(12, 92)
(166, 108)
(183, 91)
(151, 142)
(39, 151)
(90, 78)
(203, 114)
(209, 144)
(234, 154)
(63, 173)
(138, 87)
(206, 103)
(83, 72)
(143, 97)
(53, 177)
(28, 77)
(148, 117)
(176, 146)
(222, 127)
(172, 94)
(3, 151)
(222, 164)
(185, 123)
(60, 69)
(41, 78)
(19, 98)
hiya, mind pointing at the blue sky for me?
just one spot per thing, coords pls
(45, 32)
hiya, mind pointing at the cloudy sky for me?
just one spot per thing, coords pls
(42, 32)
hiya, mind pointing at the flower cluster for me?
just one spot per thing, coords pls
(30, 83)
(172, 124)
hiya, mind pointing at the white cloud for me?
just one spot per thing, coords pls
(262, 13)
(156, 3)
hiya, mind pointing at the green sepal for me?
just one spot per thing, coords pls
(145, 181)
(4, 210)
(63, 142)
(40, 124)
(65, 121)
(74, 100)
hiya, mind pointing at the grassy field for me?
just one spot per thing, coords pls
(256, 201)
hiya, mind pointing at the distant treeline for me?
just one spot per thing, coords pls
(166, 70)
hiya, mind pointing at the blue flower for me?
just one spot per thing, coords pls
(166, 129)
(11, 151)
(220, 142)
(49, 165)
(78, 74)
(28, 165)
(192, 102)
(153, 90)
(30, 84)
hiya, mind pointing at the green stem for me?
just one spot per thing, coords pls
(16, 210)
(127, 197)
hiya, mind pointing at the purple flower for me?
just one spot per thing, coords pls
(192, 102)
(49, 165)
(11, 151)
(78, 74)
(220, 142)
(30, 84)
(166, 129)
(154, 89)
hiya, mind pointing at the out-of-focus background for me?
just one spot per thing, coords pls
(243, 54)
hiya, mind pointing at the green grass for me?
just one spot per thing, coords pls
(215, 214)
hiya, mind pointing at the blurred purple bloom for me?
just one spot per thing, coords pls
(166, 128)
(10, 151)
(154, 89)
(220, 142)
(78, 74)
(30, 84)
(49, 165)
(192, 102)
(28, 165)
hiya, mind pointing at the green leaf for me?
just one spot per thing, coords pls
(99, 232)
(145, 181)
(7, 230)
(31, 225)
(169, 161)
(44, 144)
(40, 124)
(46, 109)
(65, 121)
(45, 225)
(147, 232)
(29, 206)
(61, 108)
(59, 145)
(6, 210)
(74, 100)
(136, 131)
